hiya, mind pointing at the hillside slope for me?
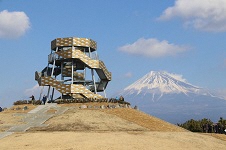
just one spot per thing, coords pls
(100, 129)
(125, 119)
(88, 120)
(145, 120)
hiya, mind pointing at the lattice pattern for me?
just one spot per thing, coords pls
(95, 64)
(77, 75)
(68, 88)
(63, 48)
(73, 41)
(106, 72)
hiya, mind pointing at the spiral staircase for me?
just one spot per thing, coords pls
(67, 69)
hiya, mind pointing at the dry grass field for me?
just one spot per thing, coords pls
(101, 129)
(144, 120)
(8, 117)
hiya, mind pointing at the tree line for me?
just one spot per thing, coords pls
(205, 125)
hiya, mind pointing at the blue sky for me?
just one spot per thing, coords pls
(185, 37)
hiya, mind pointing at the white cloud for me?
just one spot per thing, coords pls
(152, 48)
(128, 75)
(221, 93)
(36, 91)
(13, 24)
(177, 76)
(206, 15)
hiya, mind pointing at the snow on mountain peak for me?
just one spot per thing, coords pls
(160, 82)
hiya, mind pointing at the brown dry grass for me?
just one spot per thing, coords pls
(8, 117)
(110, 141)
(218, 136)
(87, 104)
(19, 108)
(7, 120)
(88, 120)
(100, 129)
(144, 120)
(120, 119)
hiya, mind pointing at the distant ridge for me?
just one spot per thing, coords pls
(170, 97)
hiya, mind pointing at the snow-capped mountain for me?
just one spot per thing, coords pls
(172, 98)
(160, 83)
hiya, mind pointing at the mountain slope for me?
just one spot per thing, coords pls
(172, 98)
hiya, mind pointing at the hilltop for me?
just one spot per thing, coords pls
(91, 128)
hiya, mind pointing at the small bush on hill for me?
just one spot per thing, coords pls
(22, 102)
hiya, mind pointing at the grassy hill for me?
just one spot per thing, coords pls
(100, 129)
(145, 120)
(118, 119)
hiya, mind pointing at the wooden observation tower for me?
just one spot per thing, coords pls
(71, 62)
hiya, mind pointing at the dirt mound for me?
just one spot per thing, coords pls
(119, 119)
(88, 120)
